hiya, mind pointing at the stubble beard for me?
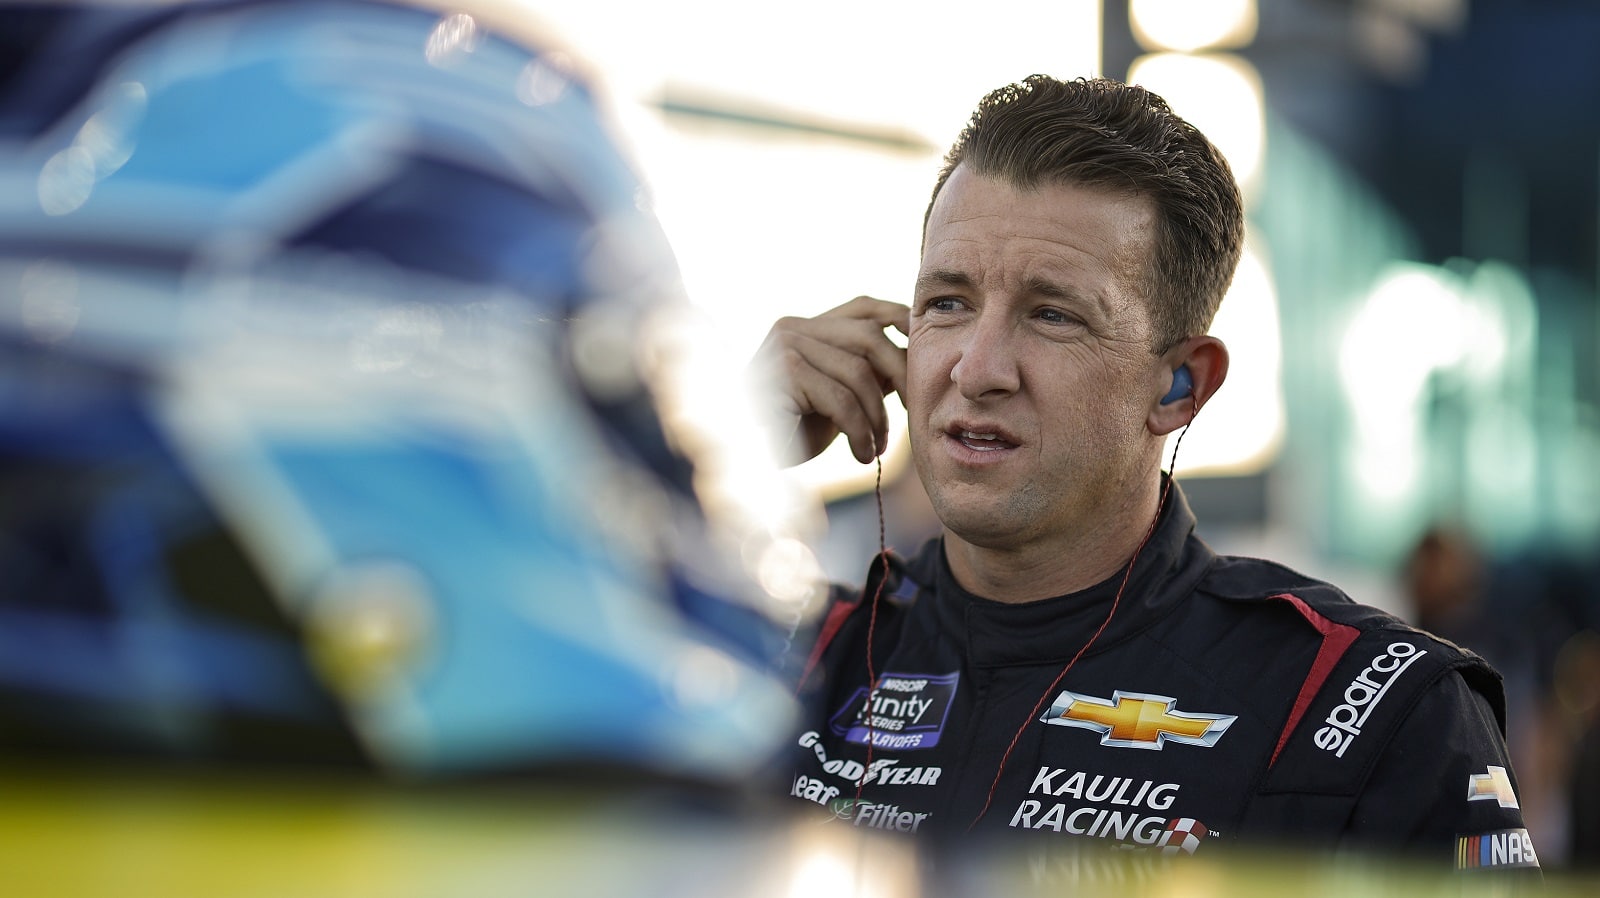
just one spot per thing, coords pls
(991, 518)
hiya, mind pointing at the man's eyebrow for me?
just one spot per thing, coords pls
(930, 281)
(1039, 286)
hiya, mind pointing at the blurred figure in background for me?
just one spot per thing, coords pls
(1444, 579)
(1578, 689)
(1449, 584)
(1532, 618)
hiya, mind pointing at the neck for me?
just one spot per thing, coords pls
(1060, 562)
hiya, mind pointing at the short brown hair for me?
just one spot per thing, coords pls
(1102, 133)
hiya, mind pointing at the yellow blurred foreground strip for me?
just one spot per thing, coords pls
(179, 833)
(188, 834)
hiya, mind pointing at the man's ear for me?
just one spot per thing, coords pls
(1206, 359)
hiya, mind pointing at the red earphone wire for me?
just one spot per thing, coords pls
(872, 621)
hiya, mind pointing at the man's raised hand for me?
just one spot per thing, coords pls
(836, 370)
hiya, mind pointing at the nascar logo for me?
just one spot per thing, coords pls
(1502, 848)
(903, 712)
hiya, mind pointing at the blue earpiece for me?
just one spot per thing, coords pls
(1182, 385)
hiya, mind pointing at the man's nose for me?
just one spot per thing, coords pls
(988, 363)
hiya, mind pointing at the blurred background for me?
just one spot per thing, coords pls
(1411, 411)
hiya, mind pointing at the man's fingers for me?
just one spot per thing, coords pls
(881, 311)
(887, 357)
(861, 336)
(843, 388)
(839, 366)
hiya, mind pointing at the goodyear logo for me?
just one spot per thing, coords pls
(1502, 848)
(883, 770)
(1137, 720)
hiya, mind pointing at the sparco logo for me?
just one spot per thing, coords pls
(1345, 721)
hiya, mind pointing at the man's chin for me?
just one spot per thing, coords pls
(987, 528)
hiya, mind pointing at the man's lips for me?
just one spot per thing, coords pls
(981, 437)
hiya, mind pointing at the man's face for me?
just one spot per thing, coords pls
(1030, 373)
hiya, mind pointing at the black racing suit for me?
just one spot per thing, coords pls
(1226, 699)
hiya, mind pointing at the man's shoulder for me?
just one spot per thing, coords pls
(1242, 578)
(1363, 674)
(837, 630)
(1244, 582)
(1290, 608)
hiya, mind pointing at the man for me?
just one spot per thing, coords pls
(1068, 659)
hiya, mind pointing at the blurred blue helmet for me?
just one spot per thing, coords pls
(330, 414)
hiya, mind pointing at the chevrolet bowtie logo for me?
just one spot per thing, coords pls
(1136, 720)
(1492, 786)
